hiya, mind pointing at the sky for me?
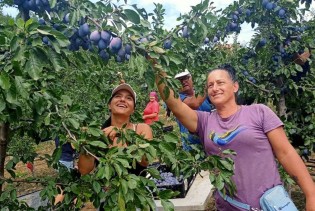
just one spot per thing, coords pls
(173, 8)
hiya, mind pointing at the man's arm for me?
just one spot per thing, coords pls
(187, 116)
(195, 102)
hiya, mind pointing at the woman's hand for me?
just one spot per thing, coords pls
(112, 133)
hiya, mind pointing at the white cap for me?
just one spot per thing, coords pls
(179, 75)
(127, 87)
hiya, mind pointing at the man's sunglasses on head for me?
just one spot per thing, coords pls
(186, 77)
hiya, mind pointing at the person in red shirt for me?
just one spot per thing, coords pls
(151, 111)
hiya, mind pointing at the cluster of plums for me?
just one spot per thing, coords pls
(33, 5)
(106, 42)
(167, 179)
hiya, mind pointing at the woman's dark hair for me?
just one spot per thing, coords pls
(228, 68)
(107, 123)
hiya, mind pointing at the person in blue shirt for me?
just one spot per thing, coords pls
(200, 103)
(67, 154)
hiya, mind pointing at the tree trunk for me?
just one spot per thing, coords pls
(25, 14)
(282, 108)
(4, 135)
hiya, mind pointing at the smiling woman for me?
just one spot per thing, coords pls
(255, 133)
(121, 105)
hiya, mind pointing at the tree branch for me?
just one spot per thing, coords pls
(74, 138)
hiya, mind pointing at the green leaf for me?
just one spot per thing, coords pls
(20, 23)
(33, 66)
(145, 23)
(4, 81)
(167, 205)
(96, 187)
(171, 137)
(132, 184)
(219, 183)
(18, 54)
(166, 194)
(152, 151)
(45, 30)
(66, 100)
(61, 38)
(2, 40)
(28, 23)
(94, 131)
(20, 86)
(117, 169)
(144, 145)
(12, 96)
(100, 173)
(13, 194)
(177, 61)
(150, 78)
(124, 186)
(158, 50)
(9, 165)
(226, 164)
(55, 45)
(74, 123)
(153, 43)
(14, 44)
(154, 172)
(211, 177)
(55, 60)
(2, 103)
(108, 171)
(121, 202)
(98, 144)
(298, 68)
(132, 16)
(75, 189)
(40, 106)
(166, 59)
(32, 27)
(123, 162)
(47, 120)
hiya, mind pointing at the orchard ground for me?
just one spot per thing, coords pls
(41, 169)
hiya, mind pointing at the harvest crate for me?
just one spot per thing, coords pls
(181, 186)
